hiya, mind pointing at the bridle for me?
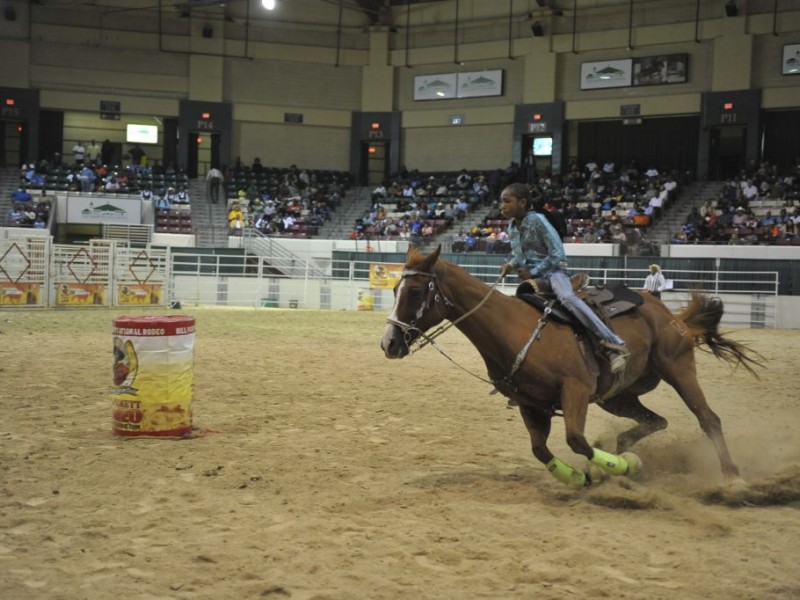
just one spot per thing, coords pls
(435, 297)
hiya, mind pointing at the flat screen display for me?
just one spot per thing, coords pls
(141, 134)
(543, 146)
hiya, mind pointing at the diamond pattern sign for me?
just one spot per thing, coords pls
(14, 263)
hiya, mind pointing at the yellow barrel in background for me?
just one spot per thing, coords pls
(366, 301)
(153, 376)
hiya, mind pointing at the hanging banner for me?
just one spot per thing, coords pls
(20, 294)
(384, 276)
(99, 209)
(81, 294)
(139, 293)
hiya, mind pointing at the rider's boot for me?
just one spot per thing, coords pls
(617, 355)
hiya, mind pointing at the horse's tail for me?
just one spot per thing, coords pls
(702, 317)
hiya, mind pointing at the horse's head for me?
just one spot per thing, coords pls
(415, 304)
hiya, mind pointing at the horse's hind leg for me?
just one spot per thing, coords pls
(628, 405)
(684, 380)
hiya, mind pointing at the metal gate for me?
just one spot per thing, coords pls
(109, 273)
(82, 275)
(140, 276)
(24, 271)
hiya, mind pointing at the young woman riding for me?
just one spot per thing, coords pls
(538, 252)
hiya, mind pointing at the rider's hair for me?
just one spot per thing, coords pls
(535, 202)
(521, 191)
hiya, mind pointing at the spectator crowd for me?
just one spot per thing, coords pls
(281, 201)
(760, 206)
(597, 203)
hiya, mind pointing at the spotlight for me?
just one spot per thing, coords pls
(208, 31)
(537, 30)
(268, 4)
(731, 9)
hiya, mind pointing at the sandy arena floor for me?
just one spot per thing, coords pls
(334, 473)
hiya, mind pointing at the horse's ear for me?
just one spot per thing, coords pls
(431, 259)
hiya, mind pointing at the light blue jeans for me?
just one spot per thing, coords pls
(562, 286)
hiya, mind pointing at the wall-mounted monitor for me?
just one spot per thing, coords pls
(543, 146)
(141, 134)
(791, 59)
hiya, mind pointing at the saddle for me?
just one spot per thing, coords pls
(608, 301)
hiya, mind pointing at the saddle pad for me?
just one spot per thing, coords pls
(614, 298)
(558, 313)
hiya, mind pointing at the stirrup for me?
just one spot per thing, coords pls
(618, 361)
(611, 346)
(616, 354)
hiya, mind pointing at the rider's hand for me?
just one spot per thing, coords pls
(505, 269)
(524, 275)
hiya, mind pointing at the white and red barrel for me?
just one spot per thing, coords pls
(153, 376)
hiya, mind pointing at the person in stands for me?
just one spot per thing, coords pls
(78, 153)
(214, 180)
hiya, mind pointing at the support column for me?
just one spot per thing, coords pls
(377, 80)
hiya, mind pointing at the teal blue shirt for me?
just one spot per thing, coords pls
(536, 245)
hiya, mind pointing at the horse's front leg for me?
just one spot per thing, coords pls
(538, 424)
(575, 404)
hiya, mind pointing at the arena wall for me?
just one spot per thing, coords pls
(231, 280)
(741, 311)
(77, 56)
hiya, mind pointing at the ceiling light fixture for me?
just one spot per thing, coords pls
(268, 4)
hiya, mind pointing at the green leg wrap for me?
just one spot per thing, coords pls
(566, 474)
(610, 463)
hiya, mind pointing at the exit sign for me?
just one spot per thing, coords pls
(630, 110)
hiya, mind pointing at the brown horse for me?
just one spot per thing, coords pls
(553, 374)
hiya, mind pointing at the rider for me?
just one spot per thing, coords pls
(539, 253)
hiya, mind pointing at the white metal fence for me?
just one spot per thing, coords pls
(751, 298)
(36, 273)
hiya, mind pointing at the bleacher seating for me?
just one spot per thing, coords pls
(174, 220)
(309, 204)
(61, 178)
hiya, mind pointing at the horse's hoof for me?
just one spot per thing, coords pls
(594, 475)
(634, 463)
(736, 485)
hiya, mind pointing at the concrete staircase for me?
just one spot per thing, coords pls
(9, 181)
(471, 219)
(358, 202)
(694, 195)
(209, 220)
(355, 204)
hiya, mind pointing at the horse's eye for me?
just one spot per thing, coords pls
(415, 293)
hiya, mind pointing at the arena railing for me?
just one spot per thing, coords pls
(751, 297)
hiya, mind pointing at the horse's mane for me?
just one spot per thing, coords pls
(414, 257)
(443, 268)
